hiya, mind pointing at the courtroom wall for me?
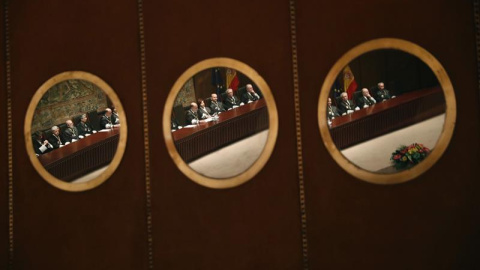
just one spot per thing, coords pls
(302, 210)
(401, 72)
(204, 86)
(186, 95)
(66, 100)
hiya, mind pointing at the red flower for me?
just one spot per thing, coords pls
(397, 157)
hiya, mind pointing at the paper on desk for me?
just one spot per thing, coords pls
(190, 126)
(104, 130)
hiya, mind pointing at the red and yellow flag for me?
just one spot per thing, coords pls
(232, 79)
(349, 83)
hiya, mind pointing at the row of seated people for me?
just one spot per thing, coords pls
(361, 99)
(199, 111)
(60, 137)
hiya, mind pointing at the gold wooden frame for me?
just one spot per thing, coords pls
(272, 131)
(450, 112)
(69, 75)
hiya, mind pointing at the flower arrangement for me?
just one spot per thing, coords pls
(408, 156)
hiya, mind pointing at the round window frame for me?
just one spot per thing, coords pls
(110, 93)
(450, 111)
(254, 169)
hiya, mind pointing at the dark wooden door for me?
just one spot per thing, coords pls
(431, 222)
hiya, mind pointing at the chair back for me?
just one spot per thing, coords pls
(356, 96)
(242, 90)
(207, 101)
(47, 133)
(94, 119)
(62, 127)
(180, 115)
(76, 119)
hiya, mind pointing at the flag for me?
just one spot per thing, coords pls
(349, 83)
(217, 82)
(337, 87)
(232, 79)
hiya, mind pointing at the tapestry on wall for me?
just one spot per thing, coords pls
(186, 95)
(65, 100)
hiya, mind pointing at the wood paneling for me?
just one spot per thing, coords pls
(103, 228)
(252, 226)
(3, 150)
(430, 222)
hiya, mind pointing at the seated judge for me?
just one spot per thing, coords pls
(71, 133)
(40, 145)
(215, 105)
(203, 111)
(84, 127)
(365, 100)
(192, 114)
(345, 106)
(55, 139)
(332, 111)
(250, 95)
(106, 121)
(231, 102)
(382, 94)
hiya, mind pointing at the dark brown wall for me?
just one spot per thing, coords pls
(401, 72)
(203, 82)
(431, 222)
(99, 229)
(253, 226)
(3, 153)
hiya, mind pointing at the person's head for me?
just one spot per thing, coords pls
(230, 92)
(83, 118)
(381, 86)
(249, 88)
(201, 103)
(108, 112)
(69, 123)
(55, 130)
(365, 92)
(193, 107)
(114, 109)
(214, 97)
(344, 96)
(329, 101)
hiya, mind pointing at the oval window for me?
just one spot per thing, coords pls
(75, 130)
(387, 111)
(220, 123)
